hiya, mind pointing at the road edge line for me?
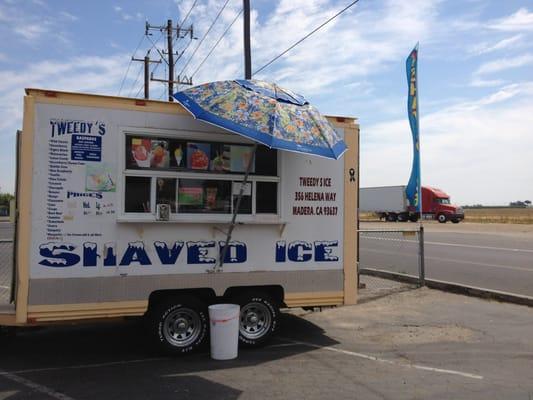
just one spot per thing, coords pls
(457, 288)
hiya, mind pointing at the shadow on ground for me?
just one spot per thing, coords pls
(82, 360)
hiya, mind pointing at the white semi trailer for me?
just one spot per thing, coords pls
(390, 203)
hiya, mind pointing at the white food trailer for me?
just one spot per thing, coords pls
(123, 205)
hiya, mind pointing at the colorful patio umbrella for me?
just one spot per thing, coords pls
(265, 113)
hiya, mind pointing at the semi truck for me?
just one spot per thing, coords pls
(390, 203)
(123, 207)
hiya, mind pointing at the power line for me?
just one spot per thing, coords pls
(154, 45)
(136, 80)
(163, 91)
(129, 65)
(216, 44)
(179, 27)
(203, 38)
(189, 13)
(157, 66)
(306, 36)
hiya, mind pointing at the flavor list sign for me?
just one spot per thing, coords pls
(315, 197)
(76, 178)
(59, 170)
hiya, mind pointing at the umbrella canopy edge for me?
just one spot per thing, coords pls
(268, 140)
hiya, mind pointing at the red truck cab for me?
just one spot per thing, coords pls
(437, 204)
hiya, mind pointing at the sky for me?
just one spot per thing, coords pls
(475, 74)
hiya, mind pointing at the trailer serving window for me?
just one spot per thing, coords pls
(196, 177)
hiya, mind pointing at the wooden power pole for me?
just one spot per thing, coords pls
(169, 60)
(247, 49)
(147, 62)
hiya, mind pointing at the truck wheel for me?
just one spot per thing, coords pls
(442, 218)
(456, 220)
(179, 325)
(413, 217)
(402, 217)
(392, 217)
(259, 319)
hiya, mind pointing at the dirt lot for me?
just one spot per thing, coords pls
(416, 344)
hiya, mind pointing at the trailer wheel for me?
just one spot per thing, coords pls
(392, 217)
(258, 320)
(180, 325)
(413, 217)
(442, 218)
(402, 217)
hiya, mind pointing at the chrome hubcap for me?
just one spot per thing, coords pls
(256, 320)
(182, 327)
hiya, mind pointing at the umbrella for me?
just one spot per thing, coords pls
(265, 113)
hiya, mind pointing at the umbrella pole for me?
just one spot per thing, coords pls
(236, 210)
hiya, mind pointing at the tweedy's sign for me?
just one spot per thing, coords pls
(59, 127)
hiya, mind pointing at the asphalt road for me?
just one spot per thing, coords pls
(491, 256)
(6, 230)
(419, 344)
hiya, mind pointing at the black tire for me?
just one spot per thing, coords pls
(259, 319)
(413, 218)
(402, 217)
(179, 325)
(456, 220)
(392, 217)
(6, 334)
(442, 218)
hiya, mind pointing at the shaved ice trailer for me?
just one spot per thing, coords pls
(123, 205)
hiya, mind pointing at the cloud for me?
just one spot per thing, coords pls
(468, 149)
(91, 74)
(127, 16)
(362, 42)
(477, 82)
(36, 25)
(32, 32)
(503, 64)
(504, 44)
(68, 16)
(521, 20)
(467, 144)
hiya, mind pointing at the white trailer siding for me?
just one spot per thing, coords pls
(382, 199)
(84, 256)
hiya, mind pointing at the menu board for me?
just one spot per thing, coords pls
(168, 153)
(241, 157)
(198, 155)
(78, 177)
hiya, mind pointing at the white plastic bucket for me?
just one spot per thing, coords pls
(224, 327)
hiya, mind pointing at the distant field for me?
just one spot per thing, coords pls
(500, 215)
(367, 216)
(503, 215)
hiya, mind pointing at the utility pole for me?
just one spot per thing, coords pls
(169, 60)
(147, 62)
(247, 49)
